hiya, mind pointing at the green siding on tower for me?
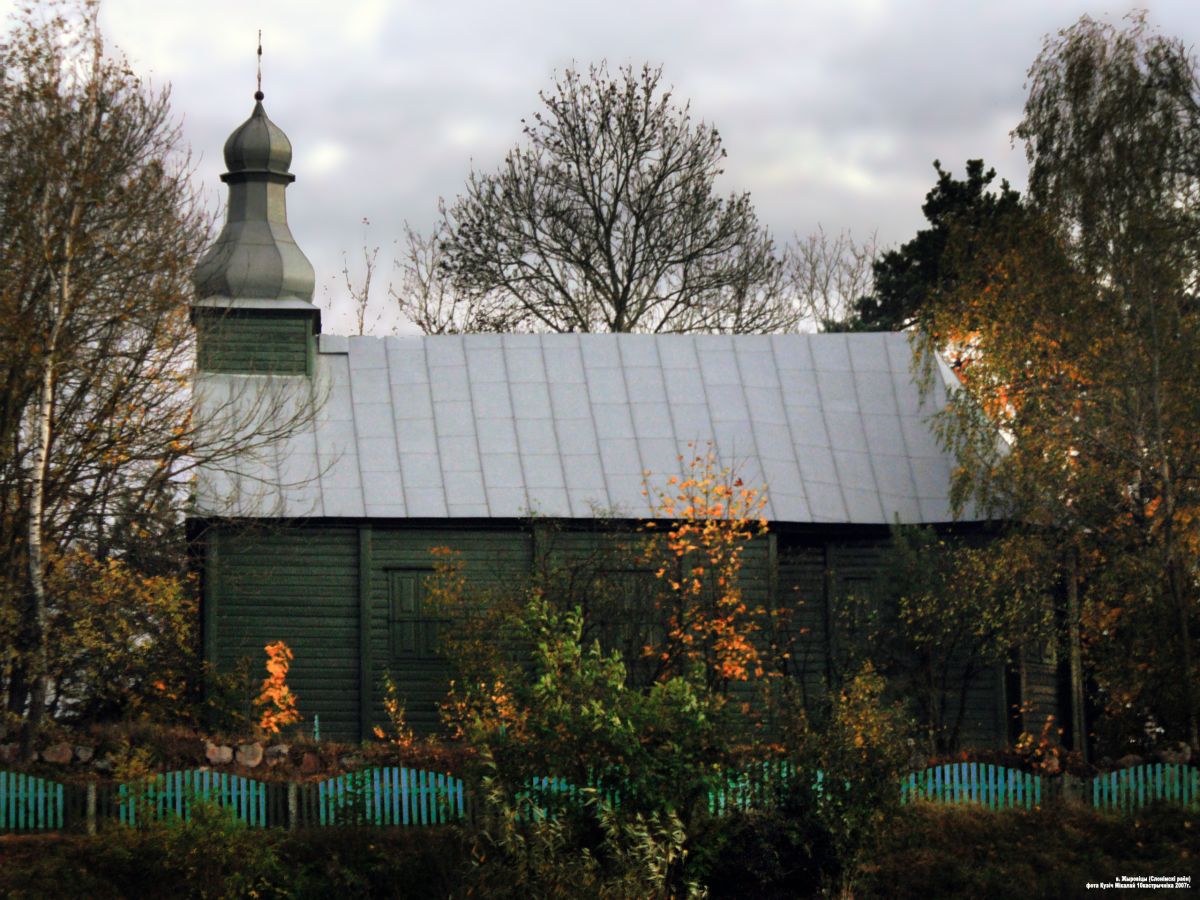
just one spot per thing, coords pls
(263, 343)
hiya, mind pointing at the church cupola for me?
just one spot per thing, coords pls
(254, 286)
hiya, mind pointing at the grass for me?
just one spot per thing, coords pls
(933, 851)
(926, 852)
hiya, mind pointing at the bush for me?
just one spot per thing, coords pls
(212, 857)
(572, 714)
(783, 853)
(848, 769)
(521, 850)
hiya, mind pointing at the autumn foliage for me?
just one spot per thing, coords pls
(1074, 330)
(122, 641)
(709, 516)
(275, 699)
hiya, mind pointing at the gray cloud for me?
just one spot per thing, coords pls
(832, 113)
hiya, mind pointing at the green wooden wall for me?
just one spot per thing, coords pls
(241, 341)
(299, 585)
(317, 586)
(817, 579)
(400, 561)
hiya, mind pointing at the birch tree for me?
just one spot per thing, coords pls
(99, 233)
(1077, 336)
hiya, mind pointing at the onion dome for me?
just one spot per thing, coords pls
(255, 256)
(258, 145)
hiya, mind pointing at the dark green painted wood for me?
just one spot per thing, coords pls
(331, 591)
(299, 584)
(240, 341)
(365, 680)
(773, 570)
(491, 558)
(212, 580)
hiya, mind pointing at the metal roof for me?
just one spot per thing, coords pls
(564, 425)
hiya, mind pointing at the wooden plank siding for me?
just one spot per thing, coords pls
(802, 588)
(821, 580)
(490, 557)
(1039, 683)
(235, 341)
(301, 583)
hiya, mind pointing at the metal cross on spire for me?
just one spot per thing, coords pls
(258, 94)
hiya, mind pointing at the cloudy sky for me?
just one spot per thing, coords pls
(831, 112)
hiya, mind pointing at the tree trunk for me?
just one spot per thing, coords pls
(39, 687)
(60, 263)
(1075, 649)
(1179, 598)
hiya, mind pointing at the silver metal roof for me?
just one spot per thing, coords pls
(563, 425)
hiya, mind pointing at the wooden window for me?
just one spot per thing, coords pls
(413, 629)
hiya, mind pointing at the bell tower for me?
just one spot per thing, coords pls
(254, 312)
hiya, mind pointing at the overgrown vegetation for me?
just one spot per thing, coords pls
(924, 851)
(642, 748)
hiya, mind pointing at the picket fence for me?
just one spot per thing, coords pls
(1131, 789)
(399, 796)
(28, 803)
(994, 787)
(379, 796)
(756, 786)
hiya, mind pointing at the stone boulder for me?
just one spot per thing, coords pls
(1179, 753)
(277, 754)
(249, 755)
(1129, 760)
(84, 753)
(60, 754)
(310, 764)
(218, 754)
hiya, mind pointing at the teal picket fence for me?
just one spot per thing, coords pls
(383, 796)
(28, 803)
(401, 796)
(175, 794)
(1131, 789)
(755, 786)
(994, 787)
(548, 794)
(762, 785)
(759, 785)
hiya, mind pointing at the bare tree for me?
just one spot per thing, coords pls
(99, 233)
(828, 274)
(360, 291)
(606, 220)
(427, 298)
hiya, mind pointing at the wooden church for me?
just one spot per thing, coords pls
(321, 536)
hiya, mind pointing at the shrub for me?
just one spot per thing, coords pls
(777, 853)
(1052, 853)
(848, 768)
(521, 850)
